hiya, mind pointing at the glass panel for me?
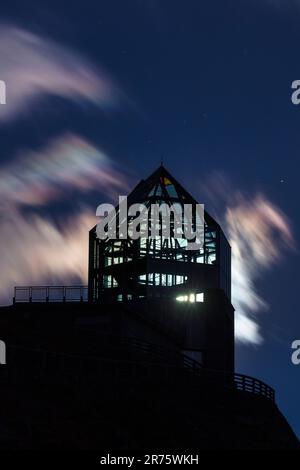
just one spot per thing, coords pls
(142, 279)
(152, 192)
(109, 281)
(159, 191)
(108, 261)
(179, 280)
(172, 191)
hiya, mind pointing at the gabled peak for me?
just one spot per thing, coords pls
(160, 185)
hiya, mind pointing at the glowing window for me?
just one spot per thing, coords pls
(182, 298)
(191, 298)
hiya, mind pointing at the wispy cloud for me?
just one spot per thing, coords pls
(67, 162)
(33, 66)
(36, 251)
(259, 234)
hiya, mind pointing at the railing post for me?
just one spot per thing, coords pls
(47, 294)
(30, 294)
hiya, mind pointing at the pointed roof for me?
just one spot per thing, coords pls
(161, 185)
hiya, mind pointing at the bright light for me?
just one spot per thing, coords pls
(200, 297)
(191, 298)
(182, 298)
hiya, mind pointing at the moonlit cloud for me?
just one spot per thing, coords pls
(36, 251)
(67, 162)
(32, 66)
(259, 234)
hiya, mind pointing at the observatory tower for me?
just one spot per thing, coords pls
(185, 292)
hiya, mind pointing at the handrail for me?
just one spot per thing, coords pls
(250, 384)
(217, 379)
(31, 294)
(240, 382)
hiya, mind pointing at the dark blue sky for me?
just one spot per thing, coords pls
(207, 85)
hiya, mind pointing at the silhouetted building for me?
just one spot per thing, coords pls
(184, 291)
(142, 358)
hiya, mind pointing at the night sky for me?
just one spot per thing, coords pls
(99, 92)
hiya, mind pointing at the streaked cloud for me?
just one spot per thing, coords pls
(32, 66)
(259, 234)
(67, 162)
(36, 251)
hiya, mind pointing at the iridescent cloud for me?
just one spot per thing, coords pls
(36, 251)
(259, 234)
(67, 162)
(32, 66)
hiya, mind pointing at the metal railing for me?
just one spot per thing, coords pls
(240, 382)
(25, 294)
(252, 385)
(155, 357)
